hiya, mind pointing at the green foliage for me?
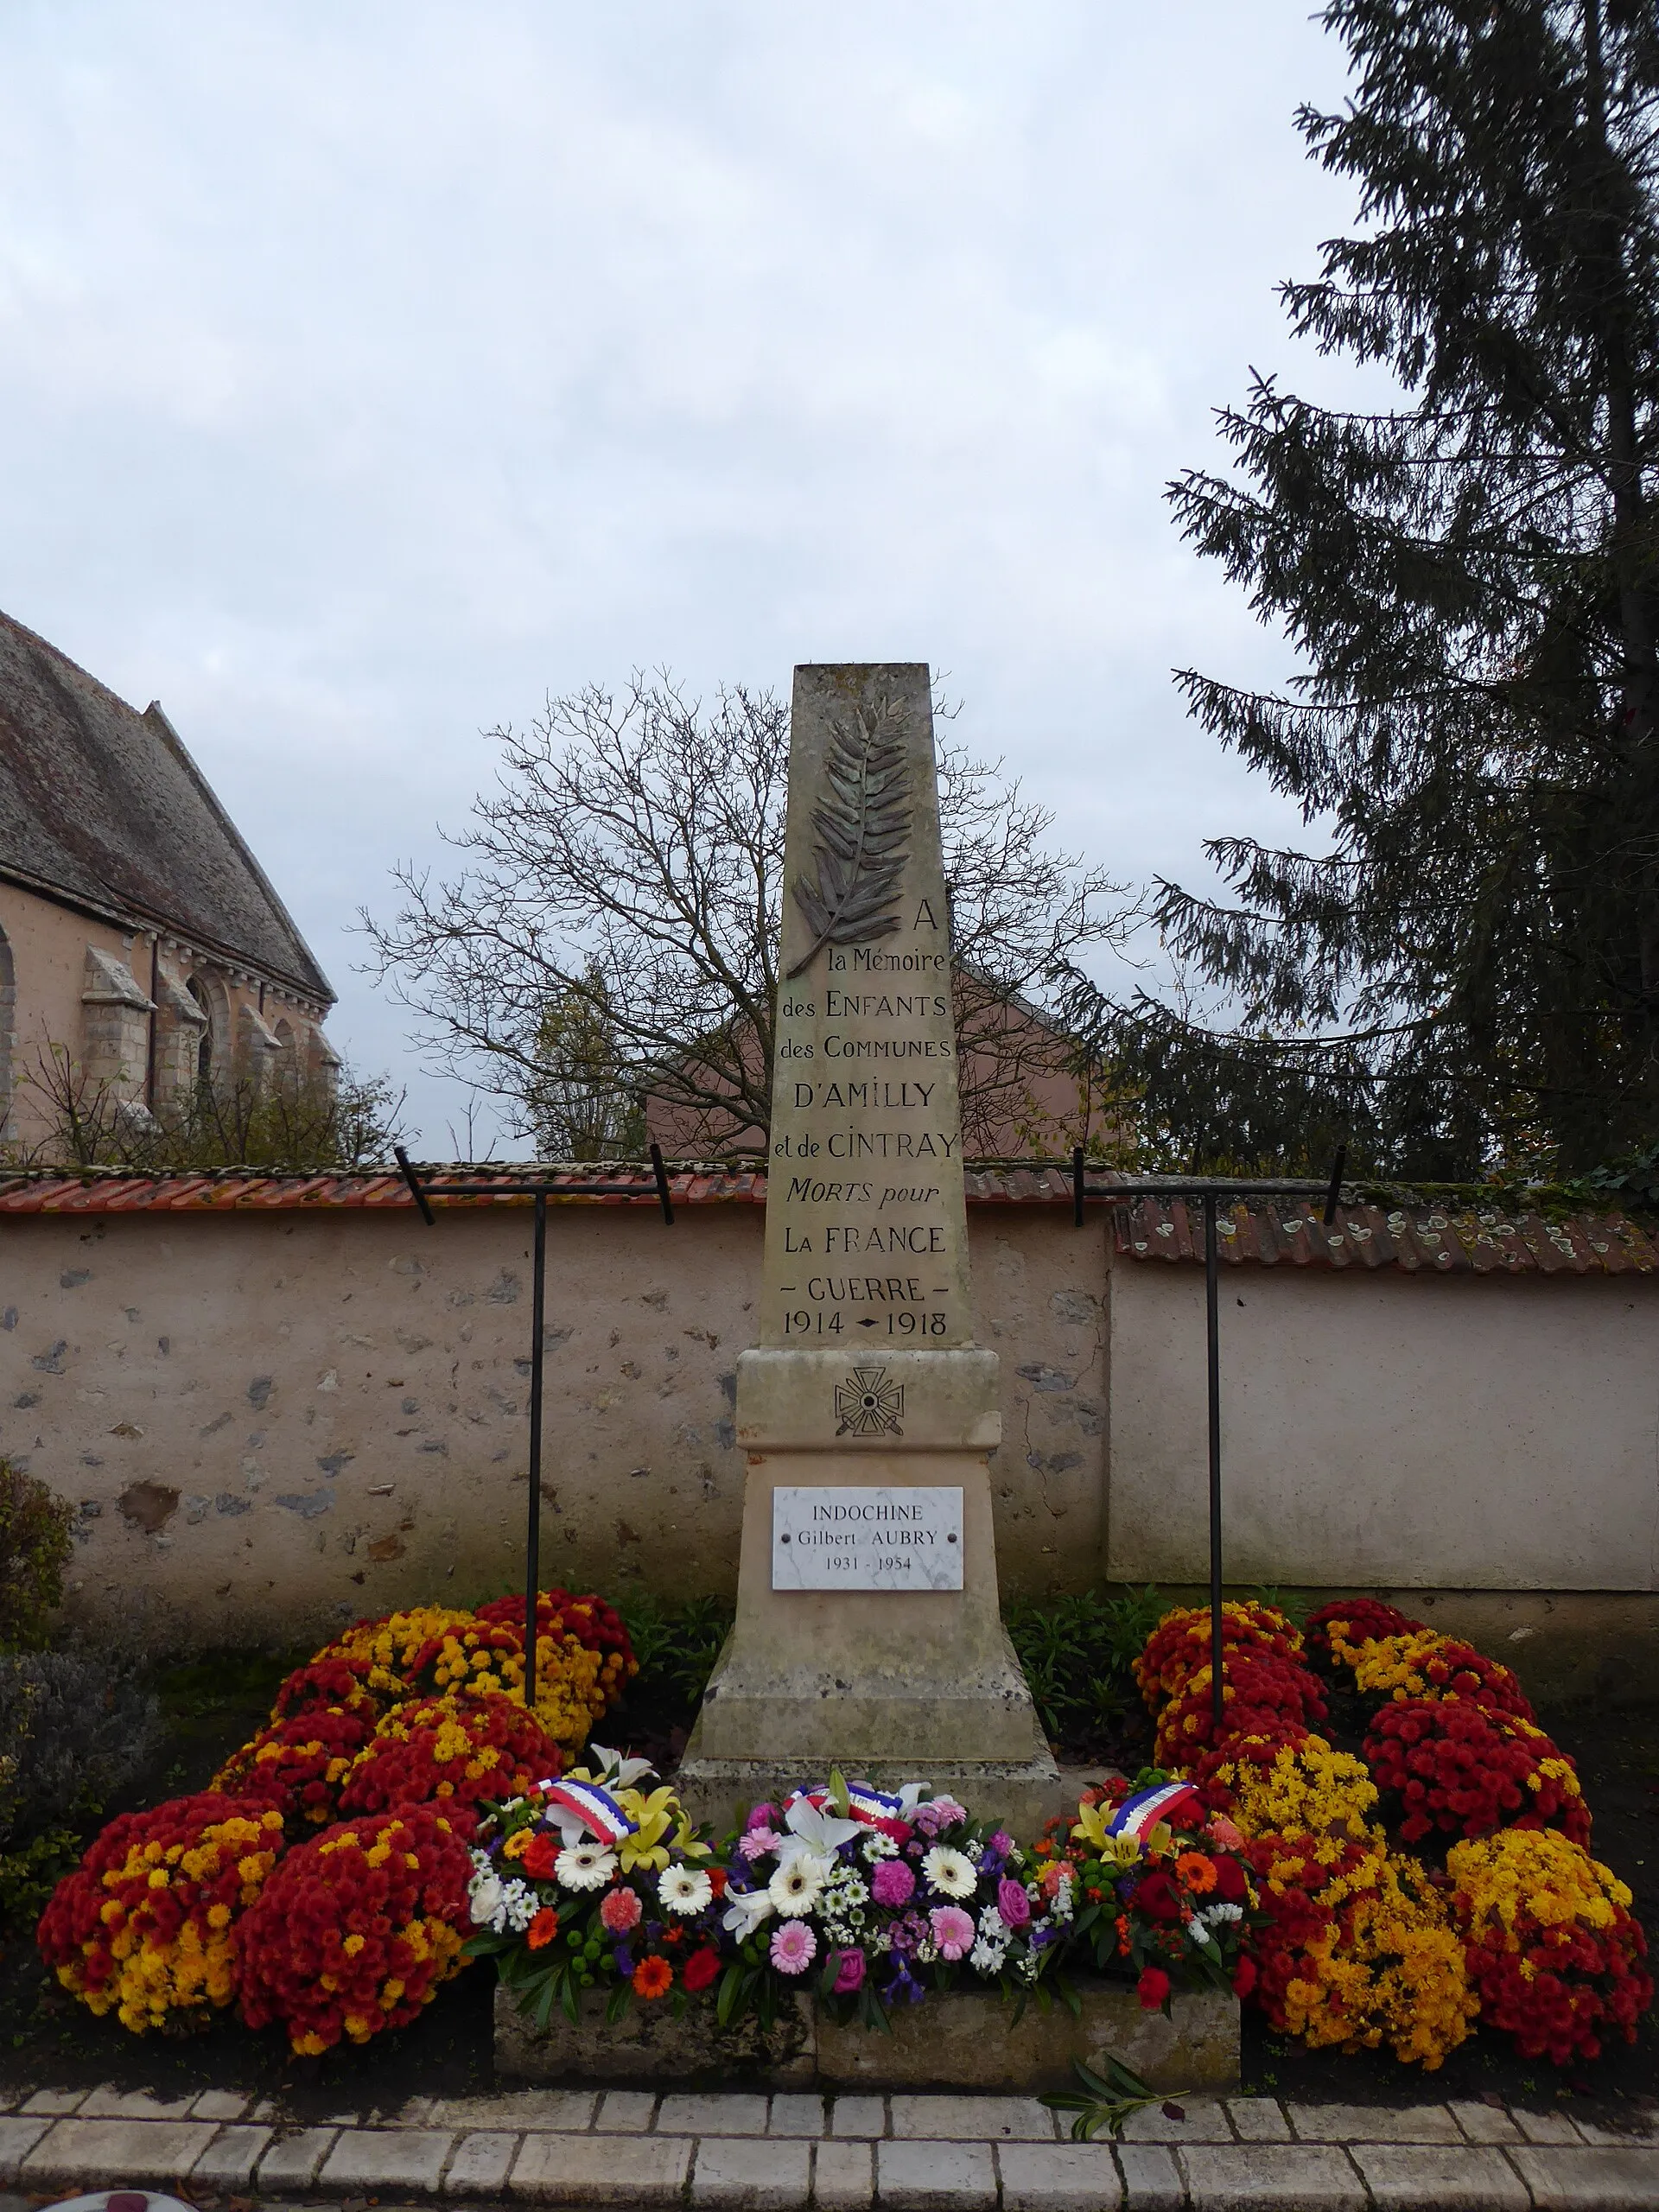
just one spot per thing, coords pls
(676, 1645)
(1294, 1604)
(1107, 2099)
(1632, 1181)
(35, 1543)
(29, 1874)
(74, 1730)
(1077, 1654)
(1465, 970)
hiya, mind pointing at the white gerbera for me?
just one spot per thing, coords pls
(950, 1872)
(798, 1882)
(685, 1889)
(585, 1866)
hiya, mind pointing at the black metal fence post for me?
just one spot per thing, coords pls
(533, 1526)
(1212, 1334)
(1210, 1191)
(489, 1185)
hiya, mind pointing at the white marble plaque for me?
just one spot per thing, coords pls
(853, 1538)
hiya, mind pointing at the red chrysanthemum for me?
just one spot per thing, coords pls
(364, 1924)
(1449, 1765)
(453, 1753)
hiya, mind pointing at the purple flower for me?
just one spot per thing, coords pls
(763, 1816)
(794, 1947)
(624, 1956)
(904, 1984)
(953, 1931)
(1001, 1843)
(850, 1972)
(892, 1882)
(1013, 1905)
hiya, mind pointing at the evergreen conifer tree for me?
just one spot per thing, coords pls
(1470, 974)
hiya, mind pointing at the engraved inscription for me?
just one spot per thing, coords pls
(866, 1234)
(843, 1538)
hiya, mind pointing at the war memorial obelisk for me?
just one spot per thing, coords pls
(867, 1634)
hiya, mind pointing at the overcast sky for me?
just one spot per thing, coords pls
(370, 370)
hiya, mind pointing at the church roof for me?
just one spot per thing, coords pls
(102, 806)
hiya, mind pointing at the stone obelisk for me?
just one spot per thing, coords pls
(867, 1633)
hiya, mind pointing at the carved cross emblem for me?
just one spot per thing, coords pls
(866, 1404)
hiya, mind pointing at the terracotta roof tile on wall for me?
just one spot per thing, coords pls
(1422, 1239)
(1277, 1232)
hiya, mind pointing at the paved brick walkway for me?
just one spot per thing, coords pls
(632, 2149)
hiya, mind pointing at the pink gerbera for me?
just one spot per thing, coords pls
(953, 1931)
(794, 1947)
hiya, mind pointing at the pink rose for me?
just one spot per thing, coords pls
(794, 1947)
(850, 1972)
(620, 1911)
(892, 1882)
(953, 1931)
(1013, 1905)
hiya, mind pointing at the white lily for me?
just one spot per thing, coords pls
(745, 1911)
(910, 1796)
(819, 1832)
(615, 1772)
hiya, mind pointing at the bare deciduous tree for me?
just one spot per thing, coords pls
(612, 936)
(286, 1122)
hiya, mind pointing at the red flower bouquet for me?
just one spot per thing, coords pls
(1450, 1764)
(298, 1764)
(1553, 1949)
(1262, 1695)
(1331, 1631)
(145, 1923)
(1179, 1645)
(456, 1753)
(1424, 1664)
(364, 1924)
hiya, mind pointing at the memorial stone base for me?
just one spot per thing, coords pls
(888, 1684)
(968, 2040)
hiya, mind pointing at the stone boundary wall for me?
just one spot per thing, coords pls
(272, 1420)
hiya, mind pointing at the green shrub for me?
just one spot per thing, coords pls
(1077, 1654)
(677, 1646)
(75, 1730)
(35, 1546)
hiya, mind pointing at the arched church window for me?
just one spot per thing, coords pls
(205, 1042)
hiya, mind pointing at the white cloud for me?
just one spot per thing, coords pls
(370, 370)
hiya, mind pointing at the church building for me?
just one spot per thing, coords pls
(141, 943)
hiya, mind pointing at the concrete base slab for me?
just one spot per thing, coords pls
(967, 2040)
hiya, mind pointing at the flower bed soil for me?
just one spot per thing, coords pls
(48, 2040)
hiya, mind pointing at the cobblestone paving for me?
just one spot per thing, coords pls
(744, 2153)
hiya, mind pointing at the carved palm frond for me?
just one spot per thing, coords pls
(862, 822)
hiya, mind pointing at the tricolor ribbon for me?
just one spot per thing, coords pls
(582, 1808)
(1171, 1801)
